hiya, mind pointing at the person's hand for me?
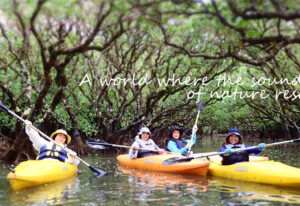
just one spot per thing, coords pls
(134, 149)
(195, 128)
(228, 151)
(261, 146)
(72, 153)
(161, 151)
(188, 145)
(28, 124)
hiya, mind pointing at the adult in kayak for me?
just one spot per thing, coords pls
(143, 140)
(176, 143)
(233, 141)
(48, 150)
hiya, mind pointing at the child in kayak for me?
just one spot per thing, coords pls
(143, 140)
(234, 141)
(176, 143)
(49, 150)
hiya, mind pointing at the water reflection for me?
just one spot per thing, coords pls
(161, 180)
(240, 191)
(56, 193)
(159, 186)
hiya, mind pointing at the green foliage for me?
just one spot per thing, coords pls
(87, 123)
(253, 34)
(6, 120)
(61, 114)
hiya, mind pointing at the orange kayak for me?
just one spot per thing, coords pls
(154, 163)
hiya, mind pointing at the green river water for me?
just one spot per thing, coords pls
(124, 186)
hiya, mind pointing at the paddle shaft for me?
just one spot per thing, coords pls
(249, 148)
(50, 139)
(123, 146)
(195, 125)
(175, 160)
(128, 147)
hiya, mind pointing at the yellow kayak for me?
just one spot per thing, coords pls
(155, 163)
(36, 172)
(259, 171)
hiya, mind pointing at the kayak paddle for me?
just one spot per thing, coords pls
(200, 108)
(99, 172)
(101, 144)
(175, 160)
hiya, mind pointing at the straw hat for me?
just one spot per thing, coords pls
(61, 131)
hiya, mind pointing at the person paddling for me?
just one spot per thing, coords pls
(143, 140)
(176, 143)
(48, 150)
(233, 141)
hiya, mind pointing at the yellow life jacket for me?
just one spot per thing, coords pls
(53, 152)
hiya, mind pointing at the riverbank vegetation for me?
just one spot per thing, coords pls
(106, 68)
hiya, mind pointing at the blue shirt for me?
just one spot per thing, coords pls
(172, 146)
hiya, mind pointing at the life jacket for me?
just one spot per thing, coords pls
(54, 152)
(149, 144)
(180, 142)
(235, 157)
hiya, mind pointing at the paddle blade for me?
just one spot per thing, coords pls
(200, 106)
(175, 160)
(98, 172)
(97, 143)
(2, 107)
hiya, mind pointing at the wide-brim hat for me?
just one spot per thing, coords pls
(175, 128)
(61, 131)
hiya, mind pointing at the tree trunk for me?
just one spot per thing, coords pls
(80, 146)
(287, 133)
(13, 155)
